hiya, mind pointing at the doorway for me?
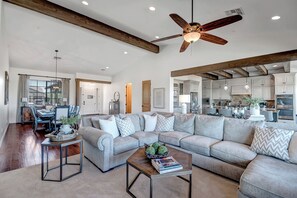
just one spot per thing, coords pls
(146, 95)
(129, 98)
(91, 96)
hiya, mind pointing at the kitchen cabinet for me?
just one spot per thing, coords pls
(284, 89)
(190, 86)
(220, 93)
(205, 93)
(262, 87)
(284, 83)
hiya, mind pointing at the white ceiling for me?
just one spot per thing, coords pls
(33, 37)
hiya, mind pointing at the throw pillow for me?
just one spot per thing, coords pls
(164, 124)
(125, 126)
(109, 126)
(135, 120)
(184, 123)
(149, 122)
(272, 141)
(95, 120)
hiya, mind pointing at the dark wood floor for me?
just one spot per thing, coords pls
(21, 148)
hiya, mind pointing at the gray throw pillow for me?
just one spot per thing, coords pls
(125, 126)
(209, 126)
(164, 124)
(293, 149)
(272, 142)
(184, 123)
(95, 120)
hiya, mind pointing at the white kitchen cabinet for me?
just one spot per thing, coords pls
(264, 92)
(205, 93)
(262, 81)
(239, 90)
(257, 92)
(284, 83)
(190, 86)
(220, 93)
(284, 89)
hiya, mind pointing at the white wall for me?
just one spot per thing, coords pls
(14, 79)
(158, 67)
(4, 65)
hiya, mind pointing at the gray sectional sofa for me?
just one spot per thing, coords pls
(220, 145)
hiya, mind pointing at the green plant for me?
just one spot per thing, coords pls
(71, 120)
(253, 101)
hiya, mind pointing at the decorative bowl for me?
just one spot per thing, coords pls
(156, 156)
(57, 136)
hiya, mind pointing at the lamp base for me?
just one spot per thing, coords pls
(184, 108)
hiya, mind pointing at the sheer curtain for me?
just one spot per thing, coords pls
(65, 88)
(23, 92)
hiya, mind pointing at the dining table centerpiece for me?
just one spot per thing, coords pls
(254, 105)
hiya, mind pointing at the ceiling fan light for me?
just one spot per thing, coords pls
(192, 37)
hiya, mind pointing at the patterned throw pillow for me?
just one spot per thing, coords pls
(125, 126)
(110, 126)
(164, 124)
(272, 141)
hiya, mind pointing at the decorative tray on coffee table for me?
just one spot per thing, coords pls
(58, 136)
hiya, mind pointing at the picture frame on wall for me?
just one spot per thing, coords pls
(6, 88)
(159, 98)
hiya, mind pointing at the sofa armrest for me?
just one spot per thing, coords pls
(96, 137)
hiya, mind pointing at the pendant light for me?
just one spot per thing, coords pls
(226, 86)
(56, 82)
(246, 86)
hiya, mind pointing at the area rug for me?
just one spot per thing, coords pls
(26, 182)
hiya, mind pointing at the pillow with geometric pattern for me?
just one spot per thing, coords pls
(164, 124)
(272, 142)
(125, 126)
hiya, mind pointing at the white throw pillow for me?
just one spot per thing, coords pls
(164, 124)
(150, 122)
(125, 126)
(273, 142)
(110, 126)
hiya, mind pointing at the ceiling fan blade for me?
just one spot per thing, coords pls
(184, 46)
(213, 39)
(180, 21)
(166, 38)
(221, 22)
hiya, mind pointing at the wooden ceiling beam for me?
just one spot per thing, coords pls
(223, 74)
(241, 72)
(262, 69)
(209, 76)
(245, 62)
(67, 15)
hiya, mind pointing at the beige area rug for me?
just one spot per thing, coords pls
(26, 182)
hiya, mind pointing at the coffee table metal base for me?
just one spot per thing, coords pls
(129, 186)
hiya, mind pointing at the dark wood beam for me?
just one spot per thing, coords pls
(223, 74)
(241, 72)
(67, 15)
(262, 69)
(246, 62)
(209, 76)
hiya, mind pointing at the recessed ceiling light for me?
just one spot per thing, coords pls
(85, 2)
(152, 8)
(157, 37)
(274, 66)
(275, 18)
(106, 67)
(125, 52)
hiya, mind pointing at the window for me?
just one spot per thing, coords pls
(42, 92)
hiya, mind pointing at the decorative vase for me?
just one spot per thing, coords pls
(255, 109)
(66, 129)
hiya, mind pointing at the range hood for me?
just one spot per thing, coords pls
(240, 90)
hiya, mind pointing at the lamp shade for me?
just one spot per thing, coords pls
(184, 98)
(24, 99)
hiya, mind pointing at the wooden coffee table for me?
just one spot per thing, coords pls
(140, 162)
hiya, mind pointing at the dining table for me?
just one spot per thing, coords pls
(45, 114)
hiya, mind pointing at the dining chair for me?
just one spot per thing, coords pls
(225, 112)
(38, 120)
(60, 112)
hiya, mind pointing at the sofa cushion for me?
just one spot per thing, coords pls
(110, 126)
(150, 122)
(125, 126)
(164, 124)
(145, 137)
(184, 123)
(95, 120)
(172, 137)
(293, 149)
(198, 144)
(239, 130)
(135, 118)
(209, 126)
(272, 142)
(233, 153)
(268, 177)
(123, 144)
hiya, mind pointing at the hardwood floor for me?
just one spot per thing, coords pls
(21, 148)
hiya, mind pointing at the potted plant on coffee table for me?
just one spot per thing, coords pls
(67, 124)
(254, 105)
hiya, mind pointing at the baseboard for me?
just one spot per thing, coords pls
(4, 133)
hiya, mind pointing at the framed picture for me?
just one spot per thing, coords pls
(159, 98)
(6, 88)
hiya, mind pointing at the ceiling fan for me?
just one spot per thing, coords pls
(193, 31)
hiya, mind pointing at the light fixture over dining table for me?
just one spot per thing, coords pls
(56, 82)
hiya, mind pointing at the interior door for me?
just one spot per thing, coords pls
(146, 95)
(129, 98)
(88, 100)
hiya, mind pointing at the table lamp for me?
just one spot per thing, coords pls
(184, 99)
(24, 101)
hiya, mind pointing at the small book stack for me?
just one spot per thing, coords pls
(166, 165)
